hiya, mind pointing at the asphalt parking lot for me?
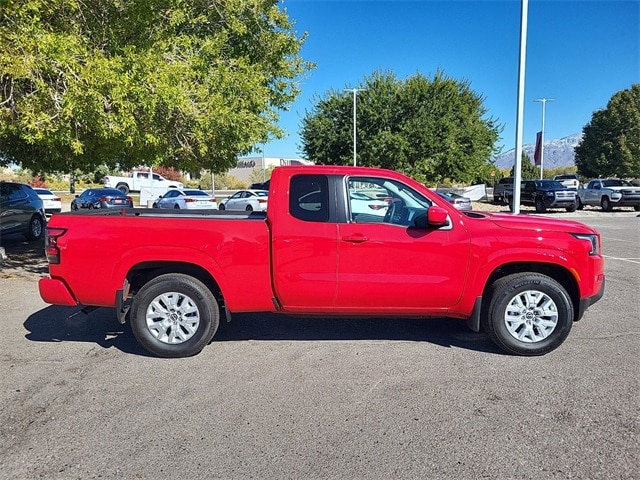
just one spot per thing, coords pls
(288, 398)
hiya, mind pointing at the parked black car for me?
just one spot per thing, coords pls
(101, 198)
(21, 211)
(543, 194)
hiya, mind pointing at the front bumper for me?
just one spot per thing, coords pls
(588, 301)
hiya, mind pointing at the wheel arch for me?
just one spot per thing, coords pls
(557, 272)
(142, 273)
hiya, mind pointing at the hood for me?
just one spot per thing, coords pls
(538, 223)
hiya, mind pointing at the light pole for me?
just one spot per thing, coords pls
(544, 103)
(355, 91)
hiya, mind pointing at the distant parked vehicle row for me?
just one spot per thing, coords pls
(247, 200)
(188, 199)
(21, 211)
(101, 198)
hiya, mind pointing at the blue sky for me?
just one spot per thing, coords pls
(578, 52)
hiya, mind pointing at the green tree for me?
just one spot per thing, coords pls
(611, 142)
(433, 129)
(159, 82)
(528, 169)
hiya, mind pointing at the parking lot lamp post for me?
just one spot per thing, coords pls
(355, 91)
(544, 103)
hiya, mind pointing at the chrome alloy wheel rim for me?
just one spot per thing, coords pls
(531, 316)
(173, 318)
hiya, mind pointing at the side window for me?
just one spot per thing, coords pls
(368, 200)
(309, 198)
(384, 200)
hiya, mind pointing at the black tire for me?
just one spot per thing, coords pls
(74, 206)
(221, 206)
(606, 204)
(514, 318)
(155, 205)
(539, 204)
(36, 228)
(572, 208)
(176, 207)
(249, 208)
(636, 208)
(91, 207)
(178, 329)
(580, 204)
(123, 187)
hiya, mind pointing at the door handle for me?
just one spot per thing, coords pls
(356, 238)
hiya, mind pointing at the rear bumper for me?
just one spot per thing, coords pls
(55, 292)
(588, 301)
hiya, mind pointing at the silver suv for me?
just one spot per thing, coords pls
(21, 211)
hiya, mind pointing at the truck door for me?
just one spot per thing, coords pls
(304, 245)
(386, 263)
(593, 193)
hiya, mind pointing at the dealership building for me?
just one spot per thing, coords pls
(246, 165)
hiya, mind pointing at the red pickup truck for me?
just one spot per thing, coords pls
(335, 241)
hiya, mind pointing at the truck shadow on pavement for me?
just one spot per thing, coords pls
(70, 324)
(445, 332)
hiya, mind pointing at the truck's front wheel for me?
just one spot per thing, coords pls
(528, 314)
(539, 204)
(174, 315)
(606, 204)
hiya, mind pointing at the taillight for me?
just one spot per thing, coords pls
(262, 200)
(51, 244)
(103, 199)
(189, 200)
(376, 206)
(129, 199)
(57, 199)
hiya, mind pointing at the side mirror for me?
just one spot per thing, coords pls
(433, 217)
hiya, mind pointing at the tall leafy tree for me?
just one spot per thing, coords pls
(611, 142)
(528, 170)
(185, 84)
(432, 128)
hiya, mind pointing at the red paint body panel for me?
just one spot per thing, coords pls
(340, 268)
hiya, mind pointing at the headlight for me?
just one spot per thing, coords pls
(550, 194)
(593, 240)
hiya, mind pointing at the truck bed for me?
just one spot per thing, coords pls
(232, 246)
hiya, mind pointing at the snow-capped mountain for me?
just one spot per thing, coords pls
(557, 153)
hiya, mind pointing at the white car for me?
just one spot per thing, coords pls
(52, 203)
(188, 199)
(248, 200)
(361, 203)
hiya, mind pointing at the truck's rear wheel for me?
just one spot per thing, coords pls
(528, 314)
(580, 204)
(174, 315)
(123, 187)
(606, 204)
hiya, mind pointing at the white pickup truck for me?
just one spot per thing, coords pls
(609, 193)
(138, 180)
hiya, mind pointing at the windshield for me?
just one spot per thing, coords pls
(616, 183)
